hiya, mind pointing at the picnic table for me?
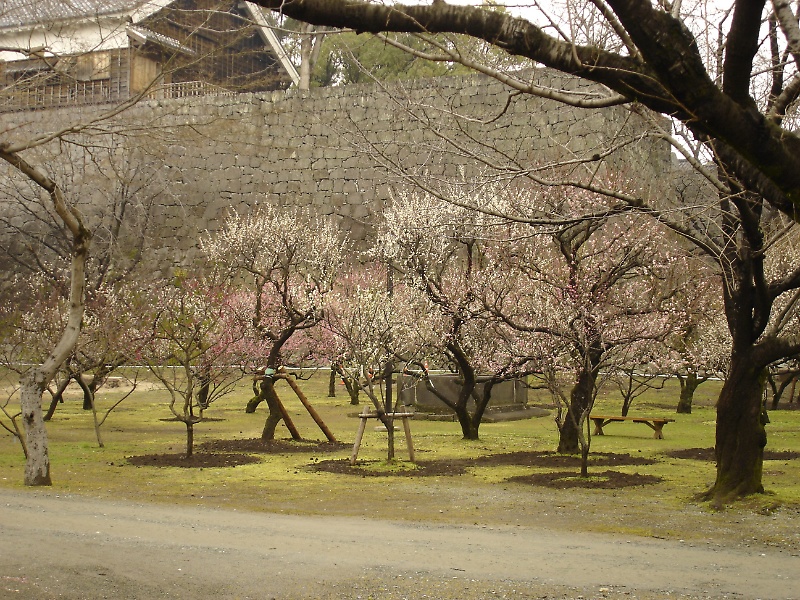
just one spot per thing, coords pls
(654, 423)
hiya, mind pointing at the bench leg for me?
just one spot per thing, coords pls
(598, 426)
(656, 427)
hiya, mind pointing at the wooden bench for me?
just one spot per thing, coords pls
(654, 423)
(366, 414)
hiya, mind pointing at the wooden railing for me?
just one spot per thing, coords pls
(187, 89)
(95, 92)
(47, 96)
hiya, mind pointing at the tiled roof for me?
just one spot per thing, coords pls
(143, 34)
(19, 13)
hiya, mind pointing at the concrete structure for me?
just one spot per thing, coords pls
(508, 396)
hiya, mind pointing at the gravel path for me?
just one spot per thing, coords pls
(71, 547)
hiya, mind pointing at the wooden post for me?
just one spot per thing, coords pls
(314, 415)
(409, 443)
(286, 418)
(362, 426)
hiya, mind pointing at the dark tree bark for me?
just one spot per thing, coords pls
(267, 393)
(388, 407)
(741, 436)
(58, 398)
(88, 392)
(205, 387)
(778, 389)
(748, 298)
(350, 384)
(332, 382)
(353, 390)
(189, 438)
(580, 399)
(470, 422)
(689, 384)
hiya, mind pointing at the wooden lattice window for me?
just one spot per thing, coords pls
(93, 66)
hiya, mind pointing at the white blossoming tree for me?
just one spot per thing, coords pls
(379, 330)
(451, 254)
(601, 286)
(287, 261)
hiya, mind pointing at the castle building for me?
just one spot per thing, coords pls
(81, 52)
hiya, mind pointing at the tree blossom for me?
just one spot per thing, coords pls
(287, 260)
(444, 250)
(602, 286)
(196, 345)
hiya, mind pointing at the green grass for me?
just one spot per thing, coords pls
(287, 483)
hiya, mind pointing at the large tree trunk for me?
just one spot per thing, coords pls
(332, 383)
(689, 385)
(37, 465)
(469, 426)
(471, 422)
(273, 403)
(741, 435)
(33, 384)
(353, 390)
(580, 399)
(205, 387)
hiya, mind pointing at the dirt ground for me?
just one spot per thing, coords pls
(71, 547)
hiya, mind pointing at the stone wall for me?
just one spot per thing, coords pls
(341, 150)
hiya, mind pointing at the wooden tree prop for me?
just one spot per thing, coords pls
(275, 400)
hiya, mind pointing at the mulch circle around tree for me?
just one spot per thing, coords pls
(458, 466)
(707, 454)
(419, 469)
(203, 420)
(553, 459)
(259, 446)
(202, 460)
(606, 480)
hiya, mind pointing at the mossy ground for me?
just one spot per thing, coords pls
(487, 488)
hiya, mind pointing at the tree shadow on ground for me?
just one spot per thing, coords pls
(553, 459)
